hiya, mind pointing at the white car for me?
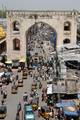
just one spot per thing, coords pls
(28, 112)
(29, 116)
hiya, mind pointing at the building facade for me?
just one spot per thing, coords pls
(19, 22)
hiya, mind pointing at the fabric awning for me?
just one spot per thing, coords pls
(8, 62)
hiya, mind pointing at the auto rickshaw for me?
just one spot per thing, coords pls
(35, 104)
(45, 112)
(20, 83)
(24, 74)
(34, 86)
(14, 89)
(3, 111)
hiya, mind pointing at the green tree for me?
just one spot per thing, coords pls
(2, 13)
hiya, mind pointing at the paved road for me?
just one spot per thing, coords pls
(13, 99)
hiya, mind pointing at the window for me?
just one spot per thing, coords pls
(78, 35)
(62, 84)
(16, 26)
(67, 26)
(66, 41)
(16, 44)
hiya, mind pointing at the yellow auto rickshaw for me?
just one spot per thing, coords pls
(45, 112)
(3, 111)
(35, 104)
(14, 89)
(24, 74)
(20, 83)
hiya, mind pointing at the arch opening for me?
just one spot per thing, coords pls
(3, 47)
(40, 38)
(16, 44)
(42, 32)
(78, 34)
(67, 26)
(15, 26)
(66, 41)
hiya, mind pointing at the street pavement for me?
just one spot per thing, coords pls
(13, 99)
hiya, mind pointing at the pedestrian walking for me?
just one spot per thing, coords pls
(52, 113)
(17, 77)
(42, 96)
(40, 85)
(39, 109)
(25, 96)
(17, 116)
(2, 101)
(19, 107)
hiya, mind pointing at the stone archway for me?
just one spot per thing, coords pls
(42, 30)
(41, 35)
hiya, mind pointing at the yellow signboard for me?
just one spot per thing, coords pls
(2, 33)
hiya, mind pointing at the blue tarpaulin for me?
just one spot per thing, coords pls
(70, 113)
(69, 108)
(65, 103)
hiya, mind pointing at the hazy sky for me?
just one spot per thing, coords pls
(41, 4)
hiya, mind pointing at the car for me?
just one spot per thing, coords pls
(29, 116)
(27, 107)
(28, 112)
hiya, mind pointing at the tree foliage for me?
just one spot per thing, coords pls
(2, 14)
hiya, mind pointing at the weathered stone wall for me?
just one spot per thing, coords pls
(26, 19)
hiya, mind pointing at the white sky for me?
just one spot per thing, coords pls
(41, 4)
